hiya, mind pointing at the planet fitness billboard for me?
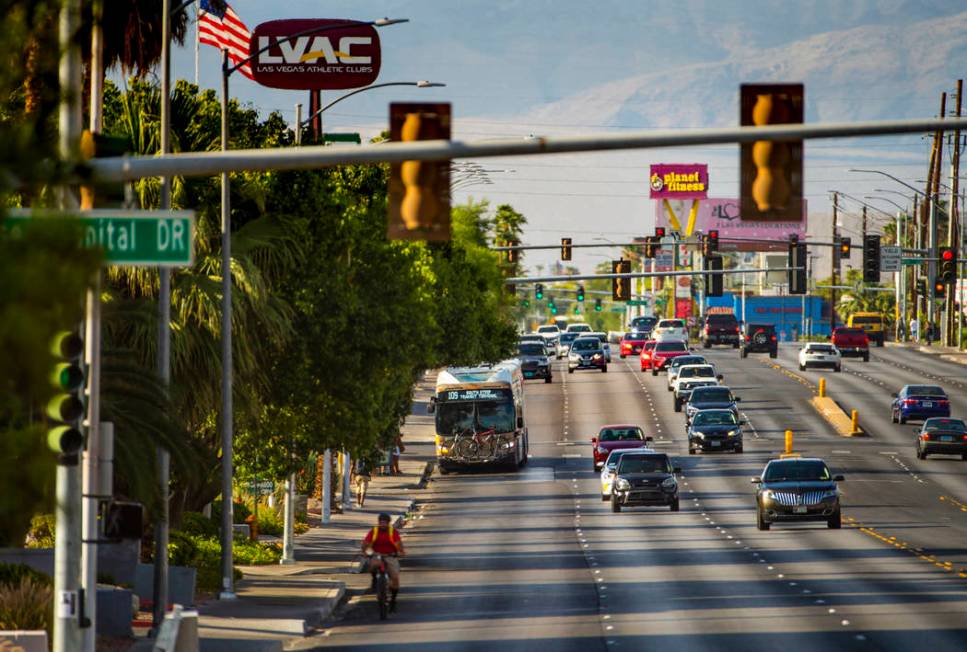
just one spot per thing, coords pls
(679, 181)
(723, 214)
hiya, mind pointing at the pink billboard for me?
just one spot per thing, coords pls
(734, 234)
(679, 181)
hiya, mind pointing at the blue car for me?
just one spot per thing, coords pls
(919, 402)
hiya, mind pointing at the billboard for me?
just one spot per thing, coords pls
(736, 234)
(321, 59)
(679, 181)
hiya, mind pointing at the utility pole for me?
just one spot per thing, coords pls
(864, 226)
(67, 543)
(162, 456)
(932, 226)
(914, 235)
(834, 264)
(953, 223)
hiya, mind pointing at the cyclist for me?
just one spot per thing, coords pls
(386, 540)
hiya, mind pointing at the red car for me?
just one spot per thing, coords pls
(616, 437)
(665, 351)
(645, 356)
(632, 343)
(852, 342)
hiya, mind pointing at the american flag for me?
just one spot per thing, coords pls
(226, 31)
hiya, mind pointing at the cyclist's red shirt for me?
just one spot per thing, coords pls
(387, 542)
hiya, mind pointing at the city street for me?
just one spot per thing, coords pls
(522, 560)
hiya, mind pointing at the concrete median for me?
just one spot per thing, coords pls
(836, 416)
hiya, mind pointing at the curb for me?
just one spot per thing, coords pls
(827, 407)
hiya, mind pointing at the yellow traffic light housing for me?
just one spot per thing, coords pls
(771, 183)
(419, 191)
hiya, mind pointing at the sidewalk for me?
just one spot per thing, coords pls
(278, 606)
(948, 353)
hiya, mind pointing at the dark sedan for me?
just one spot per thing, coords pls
(587, 353)
(943, 436)
(714, 430)
(797, 489)
(919, 402)
(645, 478)
(711, 398)
(533, 361)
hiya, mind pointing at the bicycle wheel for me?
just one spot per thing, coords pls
(466, 448)
(381, 597)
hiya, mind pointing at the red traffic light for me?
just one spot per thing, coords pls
(660, 231)
(947, 254)
(713, 233)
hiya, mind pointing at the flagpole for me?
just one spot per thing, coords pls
(197, 41)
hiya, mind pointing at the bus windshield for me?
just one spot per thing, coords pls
(457, 416)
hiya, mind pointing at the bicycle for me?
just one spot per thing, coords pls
(471, 444)
(382, 584)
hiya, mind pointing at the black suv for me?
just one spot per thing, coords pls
(644, 478)
(797, 489)
(759, 338)
(643, 324)
(720, 328)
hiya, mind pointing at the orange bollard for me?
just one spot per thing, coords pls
(822, 387)
(788, 441)
(855, 416)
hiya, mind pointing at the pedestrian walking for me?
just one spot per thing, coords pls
(915, 329)
(363, 476)
(398, 448)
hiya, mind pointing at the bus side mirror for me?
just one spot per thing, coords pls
(431, 406)
(520, 422)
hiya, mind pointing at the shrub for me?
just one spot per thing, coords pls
(300, 528)
(27, 604)
(240, 512)
(250, 553)
(270, 523)
(41, 534)
(197, 524)
(205, 555)
(11, 574)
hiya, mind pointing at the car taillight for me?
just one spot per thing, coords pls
(965, 437)
(925, 436)
(910, 401)
(943, 401)
(773, 338)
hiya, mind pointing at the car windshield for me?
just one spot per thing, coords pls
(634, 336)
(683, 360)
(867, 320)
(548, 329)
(671, 347)
(671, 323)
(586, 345)
(712, 395)
(567, 338)
(649, 345)
(614, 458)
(716, 418)
(696, 372)
(578, 328)
(530, 348)
(798, 470)
(946, 425)
(602, 337)
(925, 390)
(820, 348)
(644, 464)
(643, 322)
(722, 320)
(620, 434)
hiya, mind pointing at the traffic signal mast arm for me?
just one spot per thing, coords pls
(564, 278)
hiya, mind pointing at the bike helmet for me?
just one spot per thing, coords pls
(384, 517)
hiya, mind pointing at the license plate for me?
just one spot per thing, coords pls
(715, 444)
(528, 374)
(927, 404)
(946, 438)
(800, 509)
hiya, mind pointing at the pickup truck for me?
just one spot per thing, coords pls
(871, 323)
(852, 342)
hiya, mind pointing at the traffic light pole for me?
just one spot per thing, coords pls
(834, 264)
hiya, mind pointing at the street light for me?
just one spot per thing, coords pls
(300, 123)
(228, 582)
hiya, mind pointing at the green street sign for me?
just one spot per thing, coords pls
(617, 309)
(911, 261)
(638, 302)
(128, 238)
(261, 488)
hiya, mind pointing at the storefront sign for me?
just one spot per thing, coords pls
(322, 58)
(679, 181)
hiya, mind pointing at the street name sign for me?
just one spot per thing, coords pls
(890, 259)
(639, 302)
(128, 238)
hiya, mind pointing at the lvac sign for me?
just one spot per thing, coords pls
(333, 59)
(128, 238)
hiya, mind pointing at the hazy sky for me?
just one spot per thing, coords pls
(550, 67)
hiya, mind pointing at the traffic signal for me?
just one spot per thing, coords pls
(565, 248)
(922, 287)
(621, 287)
(419, 191)
(513, 255)
(65, 411)
(651, 246)
(659, 232)
(525, 303)
(713, 282)
(771, 181)
(710, 243)
(845, 245)
(597, 305)
(580, 293)
(551, 306)
(539, 292)
(939, 289)
(577, 309)
(797, 264)
(948, 265)
(96, 145)
(871, 259)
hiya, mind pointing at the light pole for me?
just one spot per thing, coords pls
(228, 592)
(318, 114)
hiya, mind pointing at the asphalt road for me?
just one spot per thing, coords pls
(517, 561)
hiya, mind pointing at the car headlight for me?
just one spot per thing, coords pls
(691, 409)
(768, 495)
(574, 356)
(602, 451)
(734, 433)
(622, 485)
(669, 484)
(596, 356)
(700, 435)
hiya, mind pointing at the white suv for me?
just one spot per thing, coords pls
(820, 354)
(692, 376)
(552, 335)
(670, 329)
